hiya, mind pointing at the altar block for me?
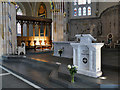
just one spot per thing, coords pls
(65, 46)
(87, 55)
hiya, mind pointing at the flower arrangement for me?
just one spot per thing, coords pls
(72, 69)
(60, 51)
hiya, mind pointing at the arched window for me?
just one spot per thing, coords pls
(89, 1)
(82, 8)
(81, 2)
(89, 11)
(84, 11)
(75, 2)
(79, 11)
(75, 11)
(19, 12)
(18, 29)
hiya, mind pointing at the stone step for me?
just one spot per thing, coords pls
(7, 57)
(29, 61)
(63, 73)
(36, 72)
(42, 85)
(67, 82)
(54, 78)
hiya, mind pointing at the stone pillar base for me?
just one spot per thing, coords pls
(90, 73)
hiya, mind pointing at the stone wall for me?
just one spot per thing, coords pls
(77, 26)
(107, 23)
(110, 23)
(104, 5)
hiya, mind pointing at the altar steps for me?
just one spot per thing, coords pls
(50, 75)
(32, 70)
(62, 77)
(55, 75)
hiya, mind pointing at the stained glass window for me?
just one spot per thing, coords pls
(84, 1)
(89, 1)
(82, 7)
(79, 11)
(81, 2)
(75, 11)
(89, 10)
(75, 2)
(84, 11)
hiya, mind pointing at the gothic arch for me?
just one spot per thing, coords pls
(21, 6)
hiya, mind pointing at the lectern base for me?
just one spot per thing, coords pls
(90, 73)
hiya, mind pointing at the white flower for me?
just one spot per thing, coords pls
(76, 66)
(73, 66)
(69, 66)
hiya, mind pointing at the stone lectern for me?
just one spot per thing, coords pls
(87, 55)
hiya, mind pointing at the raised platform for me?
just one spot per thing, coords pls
(49, 75)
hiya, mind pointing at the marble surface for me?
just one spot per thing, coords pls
(87, 56)
(67, 49)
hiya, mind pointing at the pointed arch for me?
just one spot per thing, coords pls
(89, 11)
(79, 11)
(84, 11)
(75, 11)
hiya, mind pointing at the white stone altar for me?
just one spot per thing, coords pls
(87, 56)
(65, 46)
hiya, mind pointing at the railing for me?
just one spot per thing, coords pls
(41, 38)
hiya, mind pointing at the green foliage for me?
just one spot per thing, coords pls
(72, 70)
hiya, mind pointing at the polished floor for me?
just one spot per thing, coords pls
(10, 81)
(37, 68)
